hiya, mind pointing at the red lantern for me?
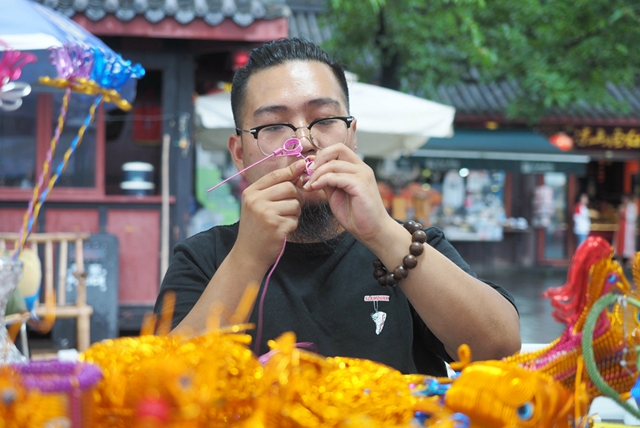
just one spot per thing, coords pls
(561, 141)
(240, 58)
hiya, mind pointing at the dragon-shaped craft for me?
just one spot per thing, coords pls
(593, 273)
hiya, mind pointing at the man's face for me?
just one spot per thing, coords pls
(296, 92)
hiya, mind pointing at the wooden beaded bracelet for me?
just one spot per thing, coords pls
(410, 261)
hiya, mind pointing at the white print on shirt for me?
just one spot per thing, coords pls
(377, 316)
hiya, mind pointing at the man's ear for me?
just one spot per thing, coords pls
(235, 148)
(354, 136)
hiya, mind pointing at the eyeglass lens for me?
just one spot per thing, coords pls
(322, 134)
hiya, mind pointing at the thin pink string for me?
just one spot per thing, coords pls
(241, 171)
(261, 304)
(264, 358)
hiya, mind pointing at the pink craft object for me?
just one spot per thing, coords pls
(291, 147)
(11, 64)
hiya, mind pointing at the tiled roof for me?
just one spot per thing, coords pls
(304, 24)
(489, 101)
(213, 12)
(302, 14)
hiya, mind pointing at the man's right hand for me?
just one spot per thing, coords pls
(270, 210)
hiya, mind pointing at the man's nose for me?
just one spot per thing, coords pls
(304, 135)
(303, 132)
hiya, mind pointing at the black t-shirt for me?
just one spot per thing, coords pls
(326, 294)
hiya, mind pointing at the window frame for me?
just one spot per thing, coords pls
(44, 133)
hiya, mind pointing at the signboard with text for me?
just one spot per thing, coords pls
(588, 137)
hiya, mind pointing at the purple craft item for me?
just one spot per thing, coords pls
(58, 376)
(73, 379)
(72, 61)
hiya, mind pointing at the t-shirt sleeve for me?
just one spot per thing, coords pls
(423, 336)
(186, 278)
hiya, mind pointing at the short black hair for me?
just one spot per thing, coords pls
(275, 53)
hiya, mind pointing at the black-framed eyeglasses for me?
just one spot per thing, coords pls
(323, 132)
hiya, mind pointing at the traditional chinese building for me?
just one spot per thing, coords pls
(545, 167)
(187, 48)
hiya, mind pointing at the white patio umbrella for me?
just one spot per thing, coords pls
(389, 122)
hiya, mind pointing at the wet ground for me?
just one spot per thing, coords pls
(537, 325)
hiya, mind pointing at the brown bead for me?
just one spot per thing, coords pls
(391, 280)
(377, 273)
(416, 248)
(412, 226)
(409, 225)
(419, 236)
(400, 272)
(418, 239)
(410, 261)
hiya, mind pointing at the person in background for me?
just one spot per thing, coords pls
(581, 220)
(624, 240)
(322, 232)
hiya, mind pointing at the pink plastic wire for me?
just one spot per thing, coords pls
(291, 147)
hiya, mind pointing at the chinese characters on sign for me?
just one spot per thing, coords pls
(598, 138)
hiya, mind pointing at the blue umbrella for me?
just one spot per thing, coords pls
(31, 27)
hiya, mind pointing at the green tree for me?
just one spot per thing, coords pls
(560, 52)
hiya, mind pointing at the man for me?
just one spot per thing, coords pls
(335, 225)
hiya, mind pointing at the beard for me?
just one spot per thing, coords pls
(315, 224)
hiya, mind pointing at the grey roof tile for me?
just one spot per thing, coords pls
(242, 12)
(491, 99)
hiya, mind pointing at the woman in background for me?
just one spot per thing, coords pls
(624, 240)
(581, 220)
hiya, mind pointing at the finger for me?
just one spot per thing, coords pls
(346, 181)
(260, 199)
(346, 169)
(287, 208)
(336, 165)
(290, 173)
(335, 152)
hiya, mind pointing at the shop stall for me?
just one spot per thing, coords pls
(491, 188)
